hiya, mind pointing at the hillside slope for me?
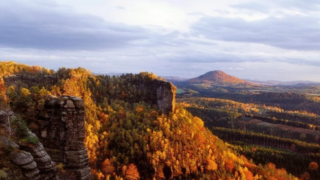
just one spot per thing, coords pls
(218, 78)
(127, 134)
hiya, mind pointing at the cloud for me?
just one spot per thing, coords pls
(57, 27)
(251, 6)
(289, 32)
(311, 5)
(266, 6)
(45, 33)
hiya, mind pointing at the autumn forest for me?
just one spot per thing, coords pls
(226, 129)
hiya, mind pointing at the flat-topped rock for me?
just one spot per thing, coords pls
(63, 132)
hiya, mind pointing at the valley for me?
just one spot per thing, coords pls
(134, 126)
(159, 90)
(274, 124)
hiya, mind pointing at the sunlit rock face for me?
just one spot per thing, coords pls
(158, 92)
(166, 97)
(62, 132)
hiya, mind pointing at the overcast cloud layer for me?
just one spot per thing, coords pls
(249, 39)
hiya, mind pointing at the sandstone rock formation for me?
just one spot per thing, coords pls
(32, 158)
(166, 93)
(35, 163)
(42, 160)
(27, 164)
(158, 92)
(63, 133)
(30, 80)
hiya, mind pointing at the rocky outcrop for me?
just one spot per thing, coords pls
(62, 132)
(157, 92)
(42, 160)
(30, 80)
(4, 114)
(27, 164)
(166, 97)
(34, 162)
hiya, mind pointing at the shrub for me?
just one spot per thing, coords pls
(21, 127)
(3, 174)
(30, 139)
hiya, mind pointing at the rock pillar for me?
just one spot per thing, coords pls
(63, 133)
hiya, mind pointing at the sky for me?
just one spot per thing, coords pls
(250, 39)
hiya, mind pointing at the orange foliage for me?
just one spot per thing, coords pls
(281, 174)
(249, 175)
(107, 167)
(154, 113)
(313, 166)
(3, 97)
(305, 176)
(229, 165)
(2, 87)
(124, 169)
(100, 176)
(103, 118)
(132, 172)
(139, 109)
(211, 165)
(272, 178)
(249, 165)
(271, 166)
(272, 173)
(121, 114)
(200, 138)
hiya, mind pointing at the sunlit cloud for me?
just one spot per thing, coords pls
(166, 37)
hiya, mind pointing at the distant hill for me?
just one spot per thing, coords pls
(285, 83)
(218, 78)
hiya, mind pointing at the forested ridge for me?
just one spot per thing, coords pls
(263, 133)
(126, 136)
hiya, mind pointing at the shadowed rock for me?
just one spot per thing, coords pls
(63, 133)
(27, 165)
(157, 92)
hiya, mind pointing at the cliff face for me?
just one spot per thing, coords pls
(35, 162)
(166, 94)
(158, 92)
(31, 158)
(63, 133)
(30, 80)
